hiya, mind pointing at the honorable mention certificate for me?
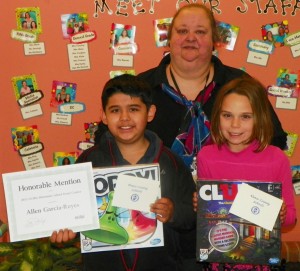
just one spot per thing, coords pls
(43, 200)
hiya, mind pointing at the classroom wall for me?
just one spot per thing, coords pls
(54, 65)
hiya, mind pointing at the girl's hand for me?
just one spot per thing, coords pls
(195, 201)
(282, 213)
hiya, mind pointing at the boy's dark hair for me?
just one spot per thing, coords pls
(130, 85)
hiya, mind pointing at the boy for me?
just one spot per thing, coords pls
(127, 108)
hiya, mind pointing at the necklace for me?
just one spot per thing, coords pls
(177, 87)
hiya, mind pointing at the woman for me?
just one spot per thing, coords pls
(191, 71)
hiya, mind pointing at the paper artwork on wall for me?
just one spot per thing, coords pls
(228, 34)
(62, 92)
(122, 39)
(296, 178)
(74, 23)
(275, 32)
(64, 158)
(26, 141)
(161, 29)
(292, 139)
(113, 74)
(29, 19)
(27, 94)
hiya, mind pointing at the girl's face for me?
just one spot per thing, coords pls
(236, 121)
(191, 37)
(124, 33)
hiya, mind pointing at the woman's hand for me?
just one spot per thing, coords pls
(62, 236)
(163, 208)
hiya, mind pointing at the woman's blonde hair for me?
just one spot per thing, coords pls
(258, 98)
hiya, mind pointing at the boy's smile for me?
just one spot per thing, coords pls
(127, 118)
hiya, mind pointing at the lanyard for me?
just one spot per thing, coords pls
(202, 92)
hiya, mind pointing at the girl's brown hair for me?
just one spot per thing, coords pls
(258, 98)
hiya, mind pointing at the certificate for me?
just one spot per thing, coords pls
(135, 193)
(256, 206)
(43, 200)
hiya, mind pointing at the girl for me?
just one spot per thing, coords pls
(241, 130)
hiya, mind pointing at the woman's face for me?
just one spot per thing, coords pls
(124, 33)
(191, 37)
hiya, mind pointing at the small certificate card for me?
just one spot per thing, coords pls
(135, 193)
(256, 206)
(43, 200)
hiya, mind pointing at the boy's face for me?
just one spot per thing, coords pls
(127, 117)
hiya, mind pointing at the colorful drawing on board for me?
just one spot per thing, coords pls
(228, 34)
(89, 130)
(288, 80)
(292, 139)
(29, 19)
(161, 29)
(24, 135)
(296, 178)
(23, 85)
(62, 92)
(74, 23)
(64, 158)
(122, 39)
(113, 74)
(275, 32)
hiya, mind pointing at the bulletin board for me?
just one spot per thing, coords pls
(49, 57)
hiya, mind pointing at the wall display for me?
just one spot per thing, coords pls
(74, 23)
(275, 32)
(161, 28)
(50, 54)
(293, 40)
(62, 92)
(296, 178)
(26, 141)
(29, 19)
(113, 74)
(292, 139)
(64, 158)
(28, 24)
(27, 94)
(259, 52)
(79, 57)
(228, 34)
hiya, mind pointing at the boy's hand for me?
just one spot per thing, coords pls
(62, 236)
(283, 212)
(163, 208)
(195, 201)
